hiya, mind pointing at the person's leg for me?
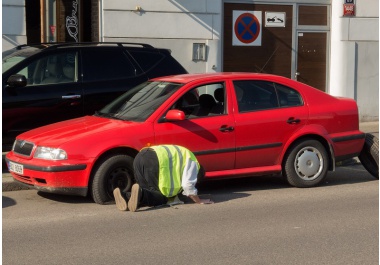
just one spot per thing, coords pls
(146, 192)
(144, 197)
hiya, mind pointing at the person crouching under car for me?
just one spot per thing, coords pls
(161, 173)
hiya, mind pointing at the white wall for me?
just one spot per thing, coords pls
(354, 66)
(13, 21)
(173, 24)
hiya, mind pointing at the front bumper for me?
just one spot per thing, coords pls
(70, 179)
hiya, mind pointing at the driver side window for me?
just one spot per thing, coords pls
(203, 101)
(52, 69)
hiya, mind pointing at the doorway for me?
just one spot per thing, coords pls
(311, 59)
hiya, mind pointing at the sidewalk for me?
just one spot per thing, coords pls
(10, 185)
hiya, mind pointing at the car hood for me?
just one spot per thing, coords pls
(56, 134)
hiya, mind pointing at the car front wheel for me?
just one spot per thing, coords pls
(306, 164)
(114, 171)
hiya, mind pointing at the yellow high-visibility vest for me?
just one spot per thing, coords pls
(172, 160)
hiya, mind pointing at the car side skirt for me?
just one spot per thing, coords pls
(245, 172)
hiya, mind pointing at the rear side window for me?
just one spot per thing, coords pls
(253, 95)
(288, 97)
(146, 60)
(102, 64)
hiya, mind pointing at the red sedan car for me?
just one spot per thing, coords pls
(237, 124)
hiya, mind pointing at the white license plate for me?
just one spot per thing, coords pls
(16, 168)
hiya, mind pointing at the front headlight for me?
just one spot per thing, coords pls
(49, 153)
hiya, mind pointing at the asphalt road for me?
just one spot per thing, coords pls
(254, 221)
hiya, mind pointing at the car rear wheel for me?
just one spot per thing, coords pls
(369, 156)
(306, 164)
(114, 171)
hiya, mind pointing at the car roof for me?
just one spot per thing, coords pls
(186, 78)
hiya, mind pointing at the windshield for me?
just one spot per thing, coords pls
(14, 56)
(140, 102)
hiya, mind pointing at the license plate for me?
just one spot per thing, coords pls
(16, 168)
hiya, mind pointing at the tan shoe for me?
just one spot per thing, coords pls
(121, 201)
(133, 203)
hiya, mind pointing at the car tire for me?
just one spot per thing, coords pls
(369, 156)
(306, 163)
(114, 171)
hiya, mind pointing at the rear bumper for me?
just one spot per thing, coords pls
(348, 145)
(359, 136)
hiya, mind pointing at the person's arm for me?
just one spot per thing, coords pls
(189, 179)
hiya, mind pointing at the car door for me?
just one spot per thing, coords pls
(52, 93)
(268, 114)
(208, 129)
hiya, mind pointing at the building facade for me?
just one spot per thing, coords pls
(332, 45)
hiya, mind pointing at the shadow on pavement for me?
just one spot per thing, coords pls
(341, 176)
(65, 198)
(232, 189)
(7, 202)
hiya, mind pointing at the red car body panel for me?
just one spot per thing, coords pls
(255, 145)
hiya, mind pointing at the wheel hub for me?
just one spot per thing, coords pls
(308, 163)
(120, 178)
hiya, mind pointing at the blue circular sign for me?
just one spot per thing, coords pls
(247, 28)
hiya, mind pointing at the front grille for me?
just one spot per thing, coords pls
(22, 147)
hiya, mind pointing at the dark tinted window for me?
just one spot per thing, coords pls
(288, 97)
(104, 64)
(146, 60)
(255, 95)
(261, 95)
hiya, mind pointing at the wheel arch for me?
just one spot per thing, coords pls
(310, 136)
(115, 151)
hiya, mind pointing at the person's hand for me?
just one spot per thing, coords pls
(198, 200)
(206, 201)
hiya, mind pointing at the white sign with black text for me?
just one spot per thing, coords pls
(275, 19)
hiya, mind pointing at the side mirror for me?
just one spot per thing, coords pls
(175, 115)
(16, 80)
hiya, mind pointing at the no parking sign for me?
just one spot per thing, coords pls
(246, 28)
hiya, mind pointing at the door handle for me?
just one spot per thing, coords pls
(226, 128)
(71, 97)
(292, 120)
